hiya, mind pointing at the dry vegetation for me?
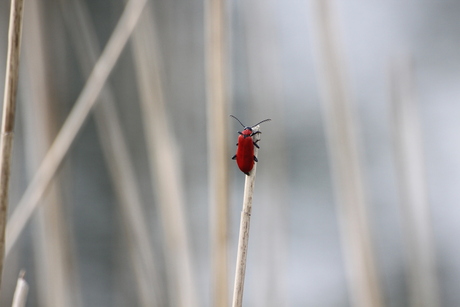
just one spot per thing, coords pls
(140, 215)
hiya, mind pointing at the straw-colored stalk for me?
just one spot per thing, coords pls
(21, 291)
(85, 102)
(140, 247)
(217, 119)
(420, 252)
(119, 162)
(356, 236)
(243, 238)
(52, 244)
(9, 110)
(164, 164)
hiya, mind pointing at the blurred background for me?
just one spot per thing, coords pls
(358, 179)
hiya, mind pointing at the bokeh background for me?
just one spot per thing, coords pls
(77, 249)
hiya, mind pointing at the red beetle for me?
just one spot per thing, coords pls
(245, 157)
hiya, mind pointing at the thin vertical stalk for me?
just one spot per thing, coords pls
(343, 153)
(164, 164)
(119, 162)
(217, 119)
(243, 239)
(74, 122)
(56, 286)
(21, 291)
(9, 110)
(420, 253)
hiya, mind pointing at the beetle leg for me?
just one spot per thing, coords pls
(234, 157)
(255, 159)
(239, 132)
(256, 145)
(254, 133)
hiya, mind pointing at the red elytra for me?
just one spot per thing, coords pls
(244, 156)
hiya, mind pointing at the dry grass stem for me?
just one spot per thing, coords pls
(9, 110)
(243, 238)
(164, 165)
(217, 119)
(133, 214)
(343, 153)
(74, 122)
(21, 291)
(119, 162)
(54, 265)
(420, 257)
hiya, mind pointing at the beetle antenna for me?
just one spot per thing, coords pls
(238, 121)
(265, 120)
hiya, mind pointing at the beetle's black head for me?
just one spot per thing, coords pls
(247, 132)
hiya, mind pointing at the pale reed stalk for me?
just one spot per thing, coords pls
(9, 110)
(243, 238)
(119, 162)
(217, 119)
(75, 120)
(422, 279)
(164, 164)
(21, 291)
(349, 187)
